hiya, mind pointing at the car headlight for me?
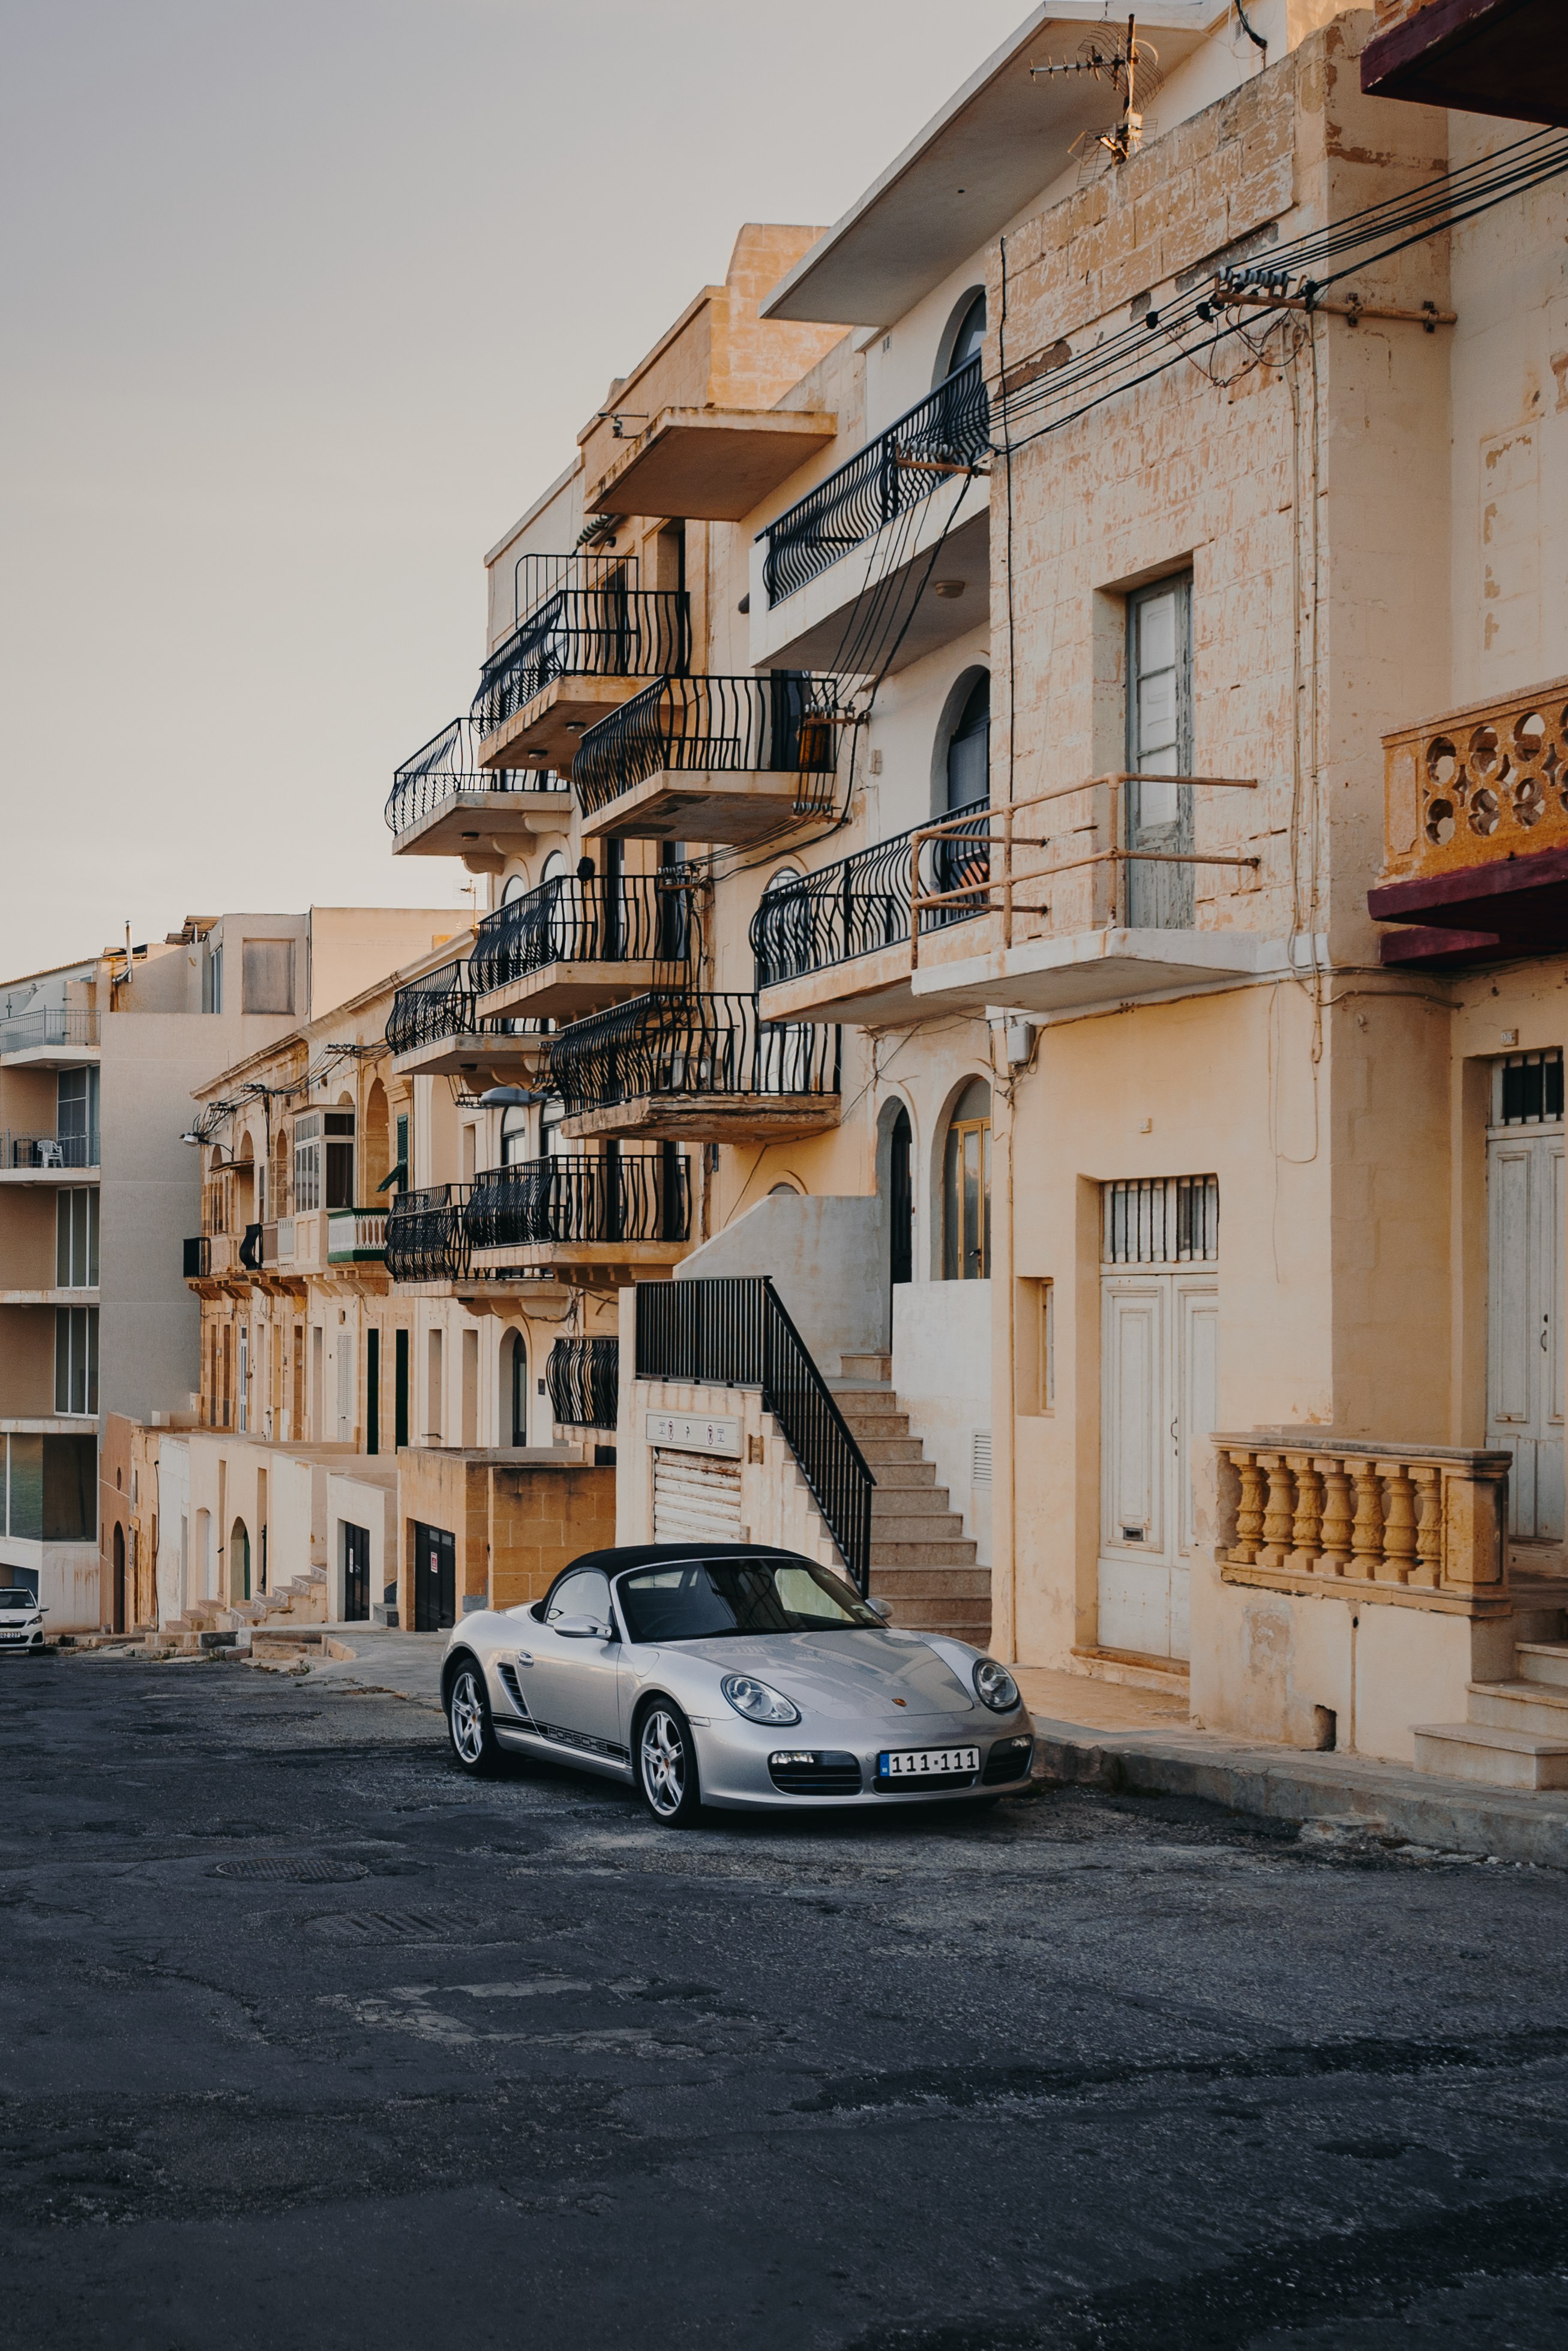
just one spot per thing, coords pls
(756, 1701)
(995, 1687)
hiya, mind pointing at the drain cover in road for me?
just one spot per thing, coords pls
(393, 1926)
(294, 1870)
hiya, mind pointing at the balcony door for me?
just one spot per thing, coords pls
(1159, 745)
(1525, 1288)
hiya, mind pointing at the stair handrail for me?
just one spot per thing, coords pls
(734, 1331)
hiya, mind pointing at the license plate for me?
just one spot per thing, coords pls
(922, 1762)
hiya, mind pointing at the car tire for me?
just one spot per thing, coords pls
(468, 1722)
(664, 1761)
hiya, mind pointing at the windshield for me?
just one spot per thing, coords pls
(703, 1600)
(17, 1600)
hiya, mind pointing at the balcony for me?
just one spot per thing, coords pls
(578, 942)
(988, 906)
(589, 645)
(709, 465)
(435, 1030)
(425, 1240)
(445, 804)
(1475, 834)
(607, 1218)
(836, 943)
(705, 1067)
(48, 1038)
(912, 488)
(735, 759)
(45, 1158)
(356, 1236)
(583, 1376)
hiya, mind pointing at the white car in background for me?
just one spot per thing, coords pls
(21, 1618)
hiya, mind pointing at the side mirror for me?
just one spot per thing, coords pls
(582, 1628)
(880, 1608)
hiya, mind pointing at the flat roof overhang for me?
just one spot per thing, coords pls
(1481, 913)
(1482, 57)
(711, 464)
(1000, 140)
(477, 822)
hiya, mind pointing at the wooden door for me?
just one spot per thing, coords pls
(434, 1578)
(1160, 1333)
(1524, 1340)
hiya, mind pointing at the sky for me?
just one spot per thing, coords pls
(302, 305)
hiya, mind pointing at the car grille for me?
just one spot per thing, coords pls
(922, 1785)
(815, 1775)
(1009, 1759)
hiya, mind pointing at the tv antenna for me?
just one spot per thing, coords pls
(1132, 69)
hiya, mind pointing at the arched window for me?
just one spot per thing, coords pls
(550, 1116)
(901, 1198)
(515, 883)
(967, 1187)
(515, 1388)
(555, 866)
(514, 1137)
(963, 337)
(969, 746)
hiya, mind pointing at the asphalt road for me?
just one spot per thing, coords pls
(310, 2042)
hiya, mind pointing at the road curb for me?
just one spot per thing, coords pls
(1403, 1805)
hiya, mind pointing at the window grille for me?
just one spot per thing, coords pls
(1527, 1089)
(1162, 1221)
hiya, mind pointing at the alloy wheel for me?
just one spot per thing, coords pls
(465, 1711)
(663, 1754)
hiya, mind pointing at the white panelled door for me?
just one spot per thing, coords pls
(1158, 1360)
(1524, 1340)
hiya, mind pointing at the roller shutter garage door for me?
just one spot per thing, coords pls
(696, 1496)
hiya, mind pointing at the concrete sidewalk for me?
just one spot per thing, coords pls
(404, 1665)
(1098, 1734)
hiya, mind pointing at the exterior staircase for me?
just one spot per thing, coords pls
(1516, 1732)
(922, 1562)
(302, 1601)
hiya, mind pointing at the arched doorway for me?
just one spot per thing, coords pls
(967, 1186)
(514, 1388)
(239, 1562)
(117, 1610)
(896, 1191)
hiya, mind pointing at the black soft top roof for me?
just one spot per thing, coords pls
(667, 1553)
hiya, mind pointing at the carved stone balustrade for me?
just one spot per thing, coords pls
(1304, 1510)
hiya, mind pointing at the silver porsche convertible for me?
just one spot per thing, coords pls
(736, 1675)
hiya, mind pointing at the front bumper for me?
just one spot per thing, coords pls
(735, 1764)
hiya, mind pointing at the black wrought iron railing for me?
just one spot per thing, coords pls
(437, 1004)
(947, 433)
(737, 1334)
(426, 1237)
(624, 1196)
(22, 1032)
(784, 723)
(448, 765)
(607, 631)
(695, 1046)
(250, 1249)
(603, 918)
(863, 903)
(583, 1377)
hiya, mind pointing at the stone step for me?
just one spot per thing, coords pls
(896, 1585)
(965, 1620)
(945, 1527)
(1490, 1754)
(907, 1477)
(873, 1405)
(1540, 1708)
(909, 1501)
(891, 1449)
(875, 1365)
(951, 1552)
(1543, 1661)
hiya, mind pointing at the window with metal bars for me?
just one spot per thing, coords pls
(1161, 1221)
(1527, 1089)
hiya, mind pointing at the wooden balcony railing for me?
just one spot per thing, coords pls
(1350, 1513)
(1479, 785)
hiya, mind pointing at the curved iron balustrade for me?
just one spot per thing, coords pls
(426, 1240)
(447, 765)
(624, 1196)
(863, 903)
(604, 918)
(583, 1376)
(444, 1004)
(784, 723)
(585, 632)
(736, 1333)
(690, 1045)
(944, 434)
